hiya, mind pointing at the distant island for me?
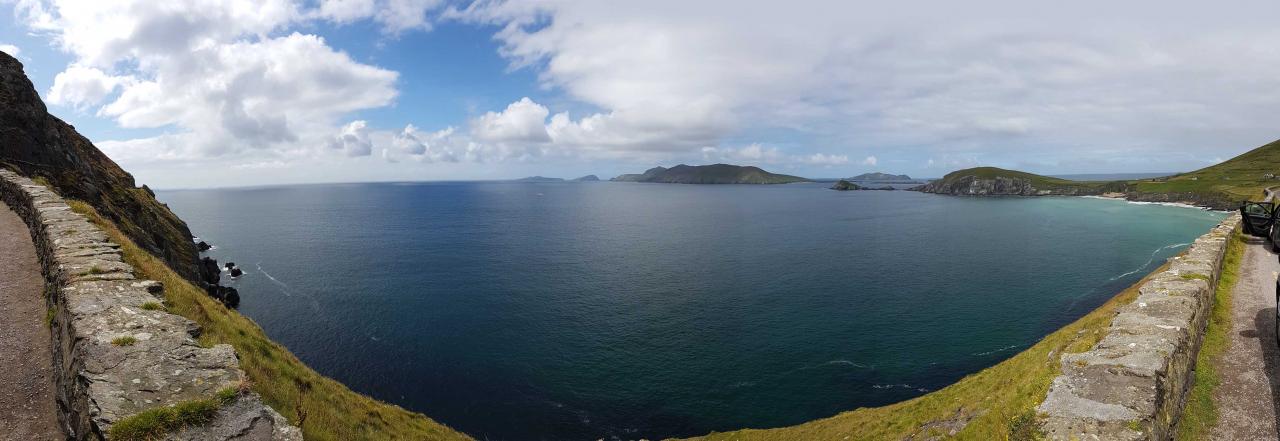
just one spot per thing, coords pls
(709, 174)
(587, 178)
(880, 177)
(539, 179)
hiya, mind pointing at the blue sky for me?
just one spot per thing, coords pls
(235, 92)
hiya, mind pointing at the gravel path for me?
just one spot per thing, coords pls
(27, 408)
(1246, 398)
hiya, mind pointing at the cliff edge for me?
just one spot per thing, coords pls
(992, 181)
(37, 144)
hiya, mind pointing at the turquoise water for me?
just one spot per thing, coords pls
(578, 311)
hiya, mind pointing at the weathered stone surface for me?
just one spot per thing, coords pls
(247, 419)
(114, 358)
(1131, 385)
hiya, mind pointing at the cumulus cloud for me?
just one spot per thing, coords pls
(521, 122)
(870, 160)
(10, 49)
(81, 86)
(211, 69)
(353, 139)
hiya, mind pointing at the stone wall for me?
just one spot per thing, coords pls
(1133, 383)
(95, 299)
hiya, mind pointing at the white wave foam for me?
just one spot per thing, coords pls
(979, 354)
(1167, 204)
(1149, 260)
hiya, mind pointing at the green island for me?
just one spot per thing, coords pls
(709, 174)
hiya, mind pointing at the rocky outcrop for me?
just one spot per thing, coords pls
(587, 178)
(1132, 384)
(843, 185)
(116, 351)
(40, 145)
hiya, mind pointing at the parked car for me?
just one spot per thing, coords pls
(1260, 221)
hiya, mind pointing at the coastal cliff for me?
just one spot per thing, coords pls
(142, 348)
(991, 181)
(39, 145)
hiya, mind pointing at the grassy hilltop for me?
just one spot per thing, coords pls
(1239, 178)
(1220, 186)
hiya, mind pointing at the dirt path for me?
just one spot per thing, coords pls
(27, 408)
(1246, 398)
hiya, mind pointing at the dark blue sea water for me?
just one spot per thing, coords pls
(577, 311)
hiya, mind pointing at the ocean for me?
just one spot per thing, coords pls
(580, 311)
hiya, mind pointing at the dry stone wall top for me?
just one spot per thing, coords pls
(97, 305)
(1132, 384)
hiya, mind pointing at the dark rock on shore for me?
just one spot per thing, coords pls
(230, 265)
(209, 271)
(203, 246)
(235, 272)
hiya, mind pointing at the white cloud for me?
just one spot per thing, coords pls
(870, 160)
(522, 122)
(757, 154)
(208, 69)
(992, 77)
(10, 49)
(353, 139)
(395, 16)
(81, 86)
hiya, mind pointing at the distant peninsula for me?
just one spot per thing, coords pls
(587, 178)
(1221, 186)
(709, 174)
(539, 179)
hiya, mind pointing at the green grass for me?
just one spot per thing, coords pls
(155, 423)
(1001, 400)
(1195, 277)
(127, 340)
(322, 407)
(49, 315)
(1201, 413)
(1236, 179)
(152, 306)
(96, 270)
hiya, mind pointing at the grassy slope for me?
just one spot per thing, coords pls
(1001, 396)
(322, 407)
(1038, 181)
(1201, 413)
(1238, 178)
